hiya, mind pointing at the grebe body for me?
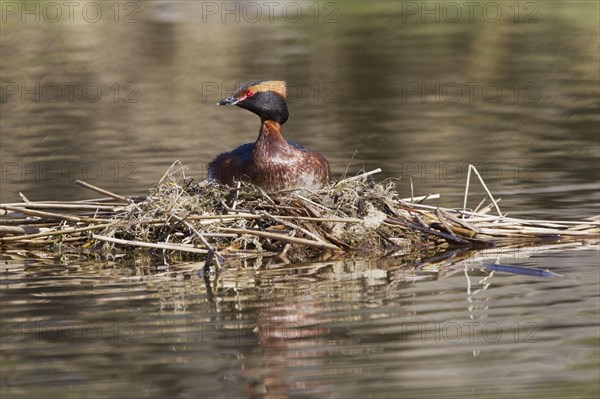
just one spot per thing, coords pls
(271, 162)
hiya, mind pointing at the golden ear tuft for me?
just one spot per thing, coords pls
(277, 86)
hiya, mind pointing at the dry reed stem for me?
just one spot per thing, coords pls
(490, 196)
(101, 191)
(293, 226)
(55, 232)
(357, 177)
(69, 206)
(167, 246)
(49, 215)
(282, 237)
(421, 198)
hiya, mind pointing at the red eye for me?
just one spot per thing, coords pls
(249, 93)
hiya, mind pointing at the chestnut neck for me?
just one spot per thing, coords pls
(270, 130)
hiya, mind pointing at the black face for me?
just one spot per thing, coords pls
(267, 105)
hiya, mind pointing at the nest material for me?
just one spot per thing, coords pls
(220, 222)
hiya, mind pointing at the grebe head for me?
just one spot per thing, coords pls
(265, 98)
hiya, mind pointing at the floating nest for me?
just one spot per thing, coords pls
(221, 223)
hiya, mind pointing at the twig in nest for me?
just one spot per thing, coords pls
(48, 215)
(472, 168)
(55, 232)
(358, 177)
(349, 163)
(442, 220)
(173, 247)
(210, 248)
(101, 190)
(282, 237)
(293, 226)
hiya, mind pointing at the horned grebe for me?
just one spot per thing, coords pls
(271, 162)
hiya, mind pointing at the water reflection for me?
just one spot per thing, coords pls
(332, 329)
